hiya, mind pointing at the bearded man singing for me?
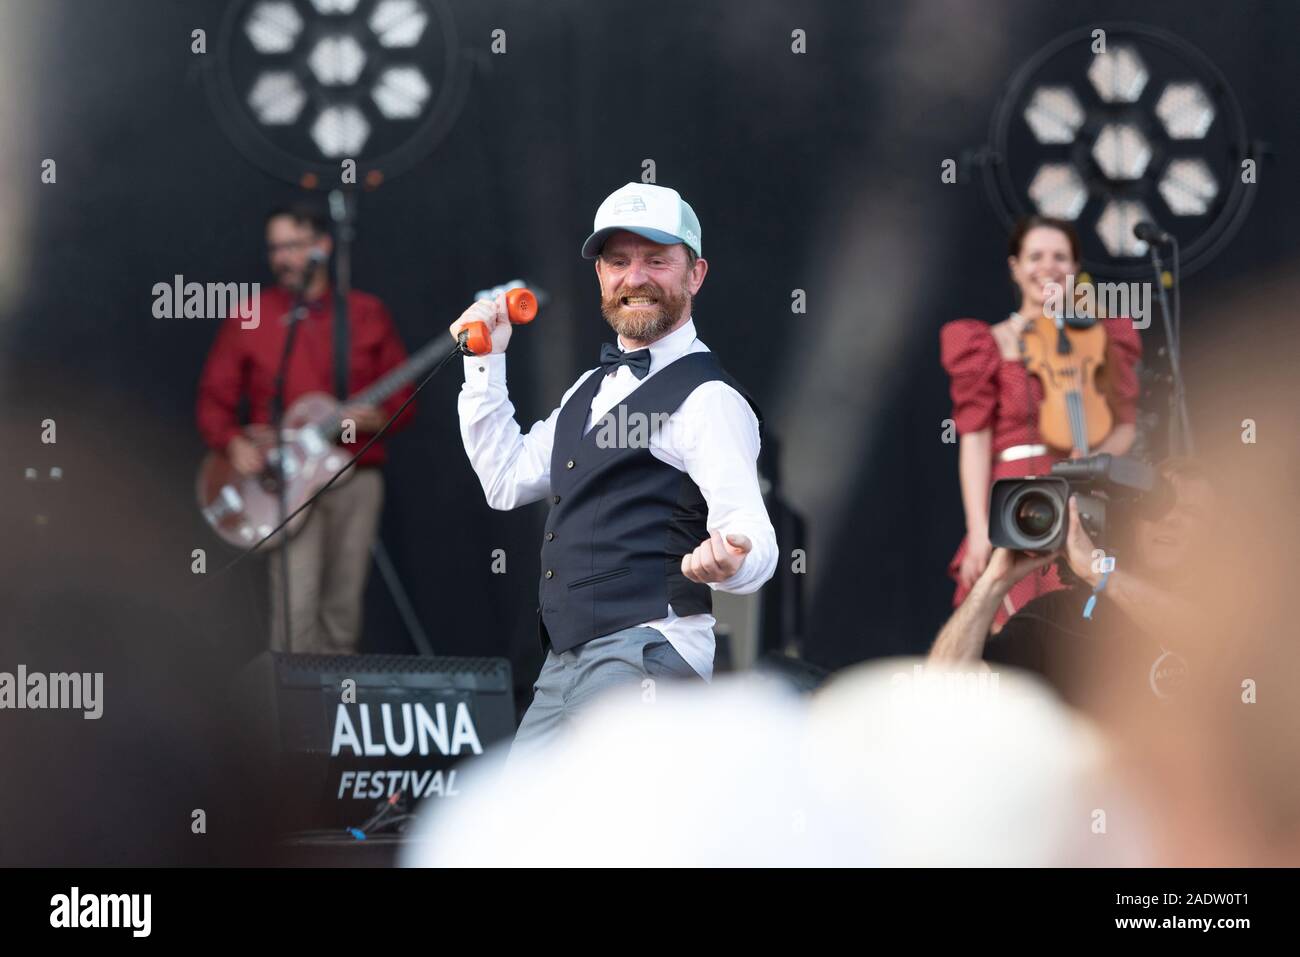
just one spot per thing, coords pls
(648, 518)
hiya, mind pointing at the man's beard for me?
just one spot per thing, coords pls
(289, 279)
(645, 325)
(294, 280)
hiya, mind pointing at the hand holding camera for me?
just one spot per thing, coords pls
(1008, 566)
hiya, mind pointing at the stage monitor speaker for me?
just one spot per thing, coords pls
(339, 734)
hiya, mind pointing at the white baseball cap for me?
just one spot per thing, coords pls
(656, 212)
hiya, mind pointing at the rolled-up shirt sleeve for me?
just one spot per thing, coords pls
(719, 444)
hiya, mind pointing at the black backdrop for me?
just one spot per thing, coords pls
(817, 172)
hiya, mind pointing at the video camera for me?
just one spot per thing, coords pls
(1031, 514)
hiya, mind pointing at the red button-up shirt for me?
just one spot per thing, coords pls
(243, 362)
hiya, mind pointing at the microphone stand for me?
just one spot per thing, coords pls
(296, 316)
(1180, 428)
(343, 215)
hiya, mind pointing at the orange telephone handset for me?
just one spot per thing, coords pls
(521, 307)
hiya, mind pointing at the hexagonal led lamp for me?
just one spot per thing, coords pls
(277, 98)
(340, 130)
(398, 23)
(1121, 151)
(337, 60)
(401, 92)
(273, 27)
(1115, 227)
(1148, 128)
(1118, 75)
(334, 6)
(1188, 187)
(1054, 114)
(1057, 190)
(1185, 111)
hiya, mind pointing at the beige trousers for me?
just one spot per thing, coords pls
(329, 560)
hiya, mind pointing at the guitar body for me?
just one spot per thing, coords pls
(1074, 413)
(244, 509)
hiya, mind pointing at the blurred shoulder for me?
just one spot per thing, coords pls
(965, 328)
(367, 303)
(966, 341)
(1121, 333)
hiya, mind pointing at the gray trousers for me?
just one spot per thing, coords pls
(628, 662)
(329, 560)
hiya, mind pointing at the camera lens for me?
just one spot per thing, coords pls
(1035, 515)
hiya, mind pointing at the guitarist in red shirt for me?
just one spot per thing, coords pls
(329, 557)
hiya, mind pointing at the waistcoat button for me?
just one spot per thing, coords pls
(556, 500)
(550, 536)
(569, 464)
(549, 573)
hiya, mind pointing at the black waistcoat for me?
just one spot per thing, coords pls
(621, 519)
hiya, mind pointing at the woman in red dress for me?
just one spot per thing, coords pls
(996, 401)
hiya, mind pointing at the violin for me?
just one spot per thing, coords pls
(1067, 356)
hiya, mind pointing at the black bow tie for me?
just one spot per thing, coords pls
(611, 357)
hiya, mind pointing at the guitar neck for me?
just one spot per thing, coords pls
(393, 380)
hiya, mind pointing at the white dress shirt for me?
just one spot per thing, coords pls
(713, 437)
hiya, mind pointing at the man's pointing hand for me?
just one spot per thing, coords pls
(716, 560)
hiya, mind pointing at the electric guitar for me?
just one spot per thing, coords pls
(245, 509)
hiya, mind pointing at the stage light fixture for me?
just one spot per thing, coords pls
(337, 60)
(273, 27)
(401, 92)
(398, 23)
(1144, 128)
(1185, 110)
(334, 6)
(1121, 151)
(1188, 187)
(1054, 114)
(277, 97)
(301, 85)
(1058, 191)
(1115, 227)
(1118, 75)
(340, 130)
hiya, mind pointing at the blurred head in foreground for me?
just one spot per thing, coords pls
(1217, 766)
(887, 766)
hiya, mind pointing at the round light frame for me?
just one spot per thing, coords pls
(380, 158)
(1016, 152)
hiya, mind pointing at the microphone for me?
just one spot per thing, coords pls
(315, 259)
(474, 339)
(1149, 232)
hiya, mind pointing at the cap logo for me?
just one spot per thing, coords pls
(633, 204)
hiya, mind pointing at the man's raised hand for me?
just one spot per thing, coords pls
(492, 313)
